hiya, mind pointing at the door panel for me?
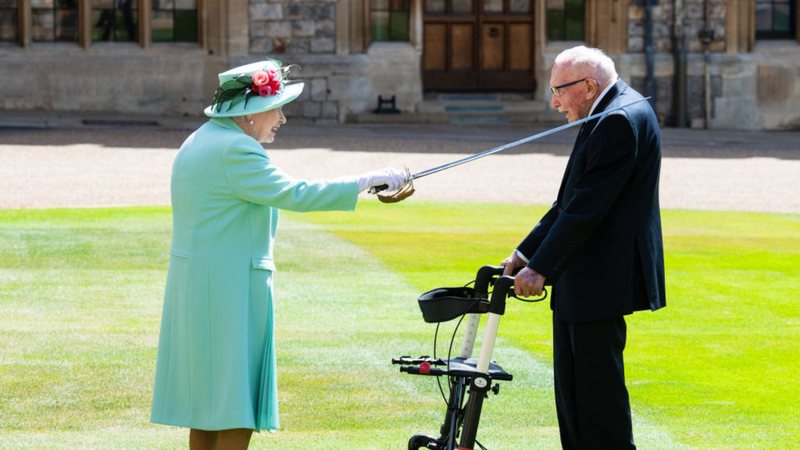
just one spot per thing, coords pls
(492, 46)
(520, 43)
(462, 46)
(435, 55)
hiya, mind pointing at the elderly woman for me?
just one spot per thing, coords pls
(216, 363)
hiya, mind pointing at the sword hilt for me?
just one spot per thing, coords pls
(383, 187)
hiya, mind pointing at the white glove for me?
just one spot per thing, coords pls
(393, 178)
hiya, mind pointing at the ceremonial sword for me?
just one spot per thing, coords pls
(491, 151)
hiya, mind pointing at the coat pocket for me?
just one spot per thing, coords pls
(262, 263)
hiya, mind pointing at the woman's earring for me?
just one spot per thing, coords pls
(251, 120)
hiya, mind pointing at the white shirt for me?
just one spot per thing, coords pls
(602, 94)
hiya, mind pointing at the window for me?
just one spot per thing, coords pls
(390, 20)
(88, 21)
(566, 20)
(174, 20)
(776, 19)
(8, 21)
(115, 20)
(54, 20)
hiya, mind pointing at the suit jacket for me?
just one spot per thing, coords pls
(216, 355)
(600, 243)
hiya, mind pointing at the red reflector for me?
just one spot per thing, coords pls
(425, 368)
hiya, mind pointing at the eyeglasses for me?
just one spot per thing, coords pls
(556, 89)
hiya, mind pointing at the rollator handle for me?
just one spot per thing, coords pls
(503, 287)
(424, 369)
(484, 278)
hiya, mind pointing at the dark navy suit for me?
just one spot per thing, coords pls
(600, 246)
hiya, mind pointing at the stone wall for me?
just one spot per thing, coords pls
(693, 15)
(165, 80)
(292, 27)
(730, 78)
(777, 87)
(334, 85)
(303, 32)
(748, 90)
(394, 69)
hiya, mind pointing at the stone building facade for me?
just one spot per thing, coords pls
(732, 78)
(706, 63)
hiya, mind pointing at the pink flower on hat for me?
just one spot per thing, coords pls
(260, 78)
(275, 84)
(264, 91)
(265, 82)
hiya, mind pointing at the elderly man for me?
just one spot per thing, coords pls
(599, 246)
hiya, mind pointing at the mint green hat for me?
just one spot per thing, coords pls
(253, 88)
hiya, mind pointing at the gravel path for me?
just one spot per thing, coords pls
(85, 167)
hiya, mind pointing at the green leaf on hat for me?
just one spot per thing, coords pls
(236, 100)
(247, 97)
(239, 82)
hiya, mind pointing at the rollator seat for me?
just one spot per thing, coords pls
(448, 303)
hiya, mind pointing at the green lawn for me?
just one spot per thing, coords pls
(80, 300)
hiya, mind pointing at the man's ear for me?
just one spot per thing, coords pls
(592, 89)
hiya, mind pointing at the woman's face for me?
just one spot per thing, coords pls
(265, 125)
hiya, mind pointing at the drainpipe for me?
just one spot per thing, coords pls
(648, 50)
(706, 36)
(680, 67)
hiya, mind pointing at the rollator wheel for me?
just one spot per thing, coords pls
(419, 441)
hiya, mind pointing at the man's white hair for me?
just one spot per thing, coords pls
(591, 61)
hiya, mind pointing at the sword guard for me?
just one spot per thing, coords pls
(402, 194)
(405, 191)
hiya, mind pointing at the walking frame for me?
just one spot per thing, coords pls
(480, 375)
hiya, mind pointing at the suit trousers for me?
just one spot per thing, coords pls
(591, 398)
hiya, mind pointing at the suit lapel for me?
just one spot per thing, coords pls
(582, 134)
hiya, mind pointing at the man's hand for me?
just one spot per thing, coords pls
(528, 283)
(512, 263)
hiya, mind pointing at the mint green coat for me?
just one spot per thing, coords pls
(216, 366)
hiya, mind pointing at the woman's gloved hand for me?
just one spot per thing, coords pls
(393, 178)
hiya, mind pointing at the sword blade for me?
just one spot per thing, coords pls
(534, 137)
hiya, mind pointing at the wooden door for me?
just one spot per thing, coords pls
(478, 45)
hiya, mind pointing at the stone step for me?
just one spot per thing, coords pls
(479, 106)
(548, 117)
(471, 109)
(483, 96)
(479, 120)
